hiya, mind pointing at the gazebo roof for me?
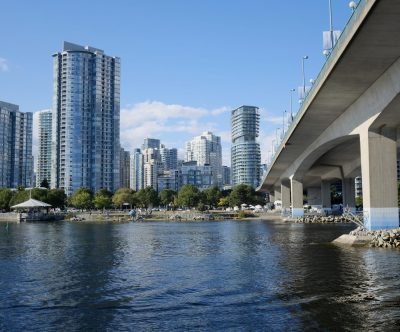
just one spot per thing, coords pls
(31, 203)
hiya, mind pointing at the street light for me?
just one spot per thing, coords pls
(276, 136)
(283, 123)
(291, 103)
(304, 75)
(353, 5)
(330, 23)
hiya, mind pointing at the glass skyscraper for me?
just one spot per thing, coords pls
(124, 169)
(44, 156)
(16, 161)
(245, 151)
(151, 143)
(169, 158)
(86, 118)
(136, 170)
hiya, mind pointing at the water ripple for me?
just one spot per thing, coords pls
(204, 276)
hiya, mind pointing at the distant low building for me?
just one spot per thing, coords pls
(199, 176)
(226, 175)
(168, 180)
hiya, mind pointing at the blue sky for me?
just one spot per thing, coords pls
(184, 63)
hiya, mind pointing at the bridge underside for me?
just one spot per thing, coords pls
(349, 124)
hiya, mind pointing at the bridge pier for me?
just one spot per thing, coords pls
(296, 191)
(314, 196)
(349, 194)
(272, 197)
(379, 178)
(277, 193)
(326, 194)
(285, 193)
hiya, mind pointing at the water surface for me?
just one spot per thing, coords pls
(257, 275)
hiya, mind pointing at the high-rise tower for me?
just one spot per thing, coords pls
(245, 152)
(44, 156)
(136, 170)
(86, 116)
(16, 161)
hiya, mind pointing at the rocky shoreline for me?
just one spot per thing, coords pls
(316, 219)
(382, 238)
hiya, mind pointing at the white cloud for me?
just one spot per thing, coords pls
(176, 124)
(173, 124)
(3, 65)
(221, 110)
(155, 110)
(265, 140)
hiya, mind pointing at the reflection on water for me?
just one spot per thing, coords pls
(210, 276)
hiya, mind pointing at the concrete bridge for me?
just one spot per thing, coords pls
(349, 123)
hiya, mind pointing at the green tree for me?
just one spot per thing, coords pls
(336, 196)
(188, 196)
(56, 198)
(223, 202)
(45, 184)
(201, 207)
(147, 197)
(123, 196)
(5, 198)
(211, 196)
(167, 196)
(82, 199)
(359, 200)
(102, 199)
(243, 194)
(21, 195)
(39, 194)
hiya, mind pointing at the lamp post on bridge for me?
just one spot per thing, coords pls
(304, 75)
(353, 5)
(277, 137)
(291, 103)
(331, 24)
(283, 123)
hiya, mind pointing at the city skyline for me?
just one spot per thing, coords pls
(180, 72)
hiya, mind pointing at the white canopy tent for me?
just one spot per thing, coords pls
(30, 204)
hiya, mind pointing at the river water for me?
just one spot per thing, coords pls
(232, 275)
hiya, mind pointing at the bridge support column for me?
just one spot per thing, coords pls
(326, 194)
(297, 197)
(314, 196)
(349, 194)
(285, 193)
(277, 193)
(271, 197)
(379, 178)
